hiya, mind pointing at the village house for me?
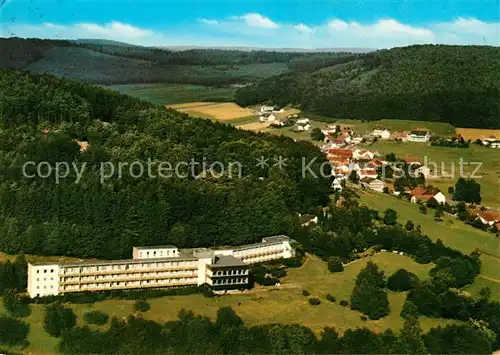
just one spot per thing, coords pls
(419, 135)
(367, 173)
(337, 184)
(403, 136)
(424, 171)
(421, 194)
(488, 217)
(363, 154)
(266, 109)
(381, 133)
(340, 153)
(305, 127)
(373, 184)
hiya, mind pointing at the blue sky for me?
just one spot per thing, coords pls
(271, 23)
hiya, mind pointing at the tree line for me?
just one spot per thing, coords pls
(227, 334)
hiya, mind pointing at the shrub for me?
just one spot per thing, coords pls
(207, 291)
(335, 264)
(12, 331)
(296, 261)
(330, 298)
(305, 293)
(58, 318)
(16, 305)
(141, 306)
(401, 280)
(370, 300)
(314, 301)
(96, 317)
(344, 303)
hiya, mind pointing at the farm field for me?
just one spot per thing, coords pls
(168, 94)
(219, 111)
(452, 232)
(473, 133)
(446, 157)
(283, 304)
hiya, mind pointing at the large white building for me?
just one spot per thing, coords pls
(157, 267)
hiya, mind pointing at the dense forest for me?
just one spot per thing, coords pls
(42, 118)
(109, 63)
(455, 84)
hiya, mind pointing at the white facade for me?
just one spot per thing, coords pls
(440, 198)
(175, 268)
(266, 108)
(381, 133)
(419, 137)
(377, 185)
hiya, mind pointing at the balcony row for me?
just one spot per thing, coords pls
(127, 271)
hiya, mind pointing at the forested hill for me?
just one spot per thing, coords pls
(105, 62)
(455, 84)
(42, 118)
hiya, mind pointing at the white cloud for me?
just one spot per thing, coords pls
(303, 28)
(384, 29)
(114, 29)
(208, 22)
(338, 24)
(256, 20)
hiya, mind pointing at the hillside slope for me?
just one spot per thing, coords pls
(455, 84)
(105, 62)
(104, 218)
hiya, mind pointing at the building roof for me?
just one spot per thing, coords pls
(418, 191)
(368, 172)
(420, 132)
(489, 216)
(156, 247)
(408, 159)
(122, 261)
(227, 260)
(346, 153)
(276, 238)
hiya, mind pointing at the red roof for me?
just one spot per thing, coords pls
(345, 153)
(489, 216)
(418, 191)
(368, 172)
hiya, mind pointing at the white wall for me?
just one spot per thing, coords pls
(43, 280)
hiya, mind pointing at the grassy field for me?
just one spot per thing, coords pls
(473, 133)
(445, 158)
(452, 232)
(283, 304)
(227, 111)
(168, 94)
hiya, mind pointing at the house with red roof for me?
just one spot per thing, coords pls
(488, 217)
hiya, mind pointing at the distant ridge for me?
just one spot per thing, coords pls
(249, 49)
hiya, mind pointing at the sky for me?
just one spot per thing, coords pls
(258, 23)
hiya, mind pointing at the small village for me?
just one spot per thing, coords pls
(355, 164)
